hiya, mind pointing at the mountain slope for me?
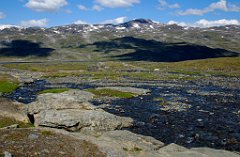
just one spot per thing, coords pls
(79, 42)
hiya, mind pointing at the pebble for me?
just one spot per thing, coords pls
(33, 136)
(7, 154)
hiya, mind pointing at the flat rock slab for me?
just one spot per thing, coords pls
(81, 120)
(122, 143)
(73, 99)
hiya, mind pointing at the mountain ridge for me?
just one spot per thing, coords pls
(127, 24)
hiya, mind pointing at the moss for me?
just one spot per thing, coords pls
(7, 86)
(111, 93)
(137, 149)
(54, 90)
(4, 122)
(125, 149)
(47, 133)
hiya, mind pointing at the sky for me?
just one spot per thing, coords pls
(48, 13)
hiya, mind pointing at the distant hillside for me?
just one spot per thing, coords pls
(139, 39)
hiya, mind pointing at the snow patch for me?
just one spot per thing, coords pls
(8, 26)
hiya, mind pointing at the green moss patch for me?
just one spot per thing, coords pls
(5, 121)
(111, 93)
(54, 90)
(7, 86)
(47, 133)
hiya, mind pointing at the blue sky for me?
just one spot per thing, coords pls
(47, 13)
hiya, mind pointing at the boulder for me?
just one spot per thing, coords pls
(11, 109)
(72, 111)
(81, 120)
(73, 99)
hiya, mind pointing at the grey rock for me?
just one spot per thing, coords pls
(13, 110)
(121, 143)
(81, 120)
(72, 111)
(215, 153)
(33, 136)
(7, 154)
(73, 99)
(174, 150)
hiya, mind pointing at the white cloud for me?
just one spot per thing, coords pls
(82, 7)
(163, 4)
(115, 21)
(80, 22)
(97, 8)
(46, 5)
(35, 23)
(222, 22)
(207, 23)
(220, 5)
(2, 15)
(177, 23)
(117, 3)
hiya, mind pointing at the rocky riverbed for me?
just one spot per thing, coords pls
(192, 114)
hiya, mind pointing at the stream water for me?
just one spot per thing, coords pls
(203, 115)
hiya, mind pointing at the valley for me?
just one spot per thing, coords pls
(174, 84)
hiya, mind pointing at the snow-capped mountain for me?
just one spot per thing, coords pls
(76, 35)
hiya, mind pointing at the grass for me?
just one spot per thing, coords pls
(135, 149)
(227, 66)
(54, 90)
(139, 70)
(7, 84)
(49, 67)
(5, 121)
(7, 87)
(111, 93)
